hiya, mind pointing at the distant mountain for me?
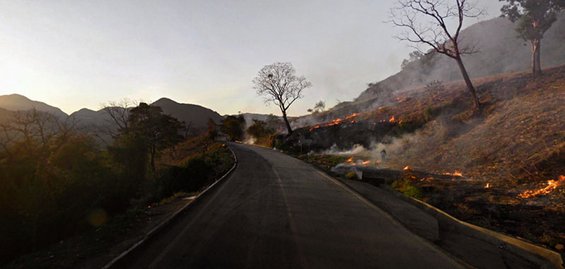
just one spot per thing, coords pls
(16, 102)
(195, 115)
(100, 121)
(500, 50)
(88, 115)
(5, 115)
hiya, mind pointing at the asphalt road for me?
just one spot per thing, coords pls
(275, 211)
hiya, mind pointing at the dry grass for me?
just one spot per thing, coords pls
(516, 143)
(520, 129)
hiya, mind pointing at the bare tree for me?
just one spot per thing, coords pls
(37, 129)
(279, 85)
(428, 22)
(320, 106)
(119, 114)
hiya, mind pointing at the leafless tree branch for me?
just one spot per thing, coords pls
(279, 85)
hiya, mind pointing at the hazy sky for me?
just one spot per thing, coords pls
(74, 54)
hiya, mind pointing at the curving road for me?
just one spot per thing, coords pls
(275, 211)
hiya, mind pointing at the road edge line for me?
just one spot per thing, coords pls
(536, 254)
(172, 217)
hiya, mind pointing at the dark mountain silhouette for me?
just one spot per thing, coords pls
(88, 115)
(195, 115)
(99, 121)
(16, 102)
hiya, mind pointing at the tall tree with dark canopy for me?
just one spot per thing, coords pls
(533, 18)
(233, 126)
(156, 129)
(279, 85)
(429, 22)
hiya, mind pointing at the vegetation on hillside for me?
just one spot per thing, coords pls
(57, 182)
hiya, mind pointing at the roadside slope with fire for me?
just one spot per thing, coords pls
(505, 168)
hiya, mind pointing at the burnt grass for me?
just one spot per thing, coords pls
(498, 209)
(539, 221)
(515, 143)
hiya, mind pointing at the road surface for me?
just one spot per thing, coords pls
(275, 211)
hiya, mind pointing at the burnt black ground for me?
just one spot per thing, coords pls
(275, 211)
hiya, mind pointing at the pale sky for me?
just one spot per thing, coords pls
(75, 54)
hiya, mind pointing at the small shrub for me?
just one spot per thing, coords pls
(406, 187)
(351, 175)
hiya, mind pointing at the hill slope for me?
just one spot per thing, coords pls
(16, 102)
(195, 115)
(520, 133)
(500, 51)
(509, 158)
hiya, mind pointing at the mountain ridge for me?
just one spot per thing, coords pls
(195, 115)
(18, 102)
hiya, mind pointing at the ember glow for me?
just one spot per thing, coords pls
(457, 173)
(551, 186)
(488, 186)
(392, 119)
(353, 162)
(407, 168)
(352, 118)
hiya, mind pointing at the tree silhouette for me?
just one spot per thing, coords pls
(533, 18)
(154, 128)
(279, 85)
(427, 22)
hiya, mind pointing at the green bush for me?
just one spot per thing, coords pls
(406, 187)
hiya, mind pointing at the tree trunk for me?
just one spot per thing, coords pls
(468, 82)
(287, 123)
(152, 153)
(536, 57)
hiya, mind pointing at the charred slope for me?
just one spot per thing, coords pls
(518, 138)
(500, 51)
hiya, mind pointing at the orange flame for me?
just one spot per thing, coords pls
(457, 173)
(352, 116)
(488, 186)
(314, 127)
(337, 121)
(551, 186)
(350, 160)
(407, 168)
(392, 119)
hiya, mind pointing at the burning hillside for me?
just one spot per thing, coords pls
(519, 136)
(502, 169)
